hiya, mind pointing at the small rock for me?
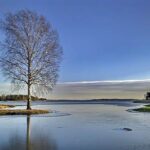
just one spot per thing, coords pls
(127, 129)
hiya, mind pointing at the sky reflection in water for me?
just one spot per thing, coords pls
(88, 127)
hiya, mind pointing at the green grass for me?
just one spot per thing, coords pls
(22, 111)
(146, 108)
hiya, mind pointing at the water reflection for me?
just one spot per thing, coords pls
(90, 127)
(37, 142)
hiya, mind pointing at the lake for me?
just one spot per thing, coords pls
(77, 127)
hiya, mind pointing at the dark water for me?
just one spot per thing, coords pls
(77, 127)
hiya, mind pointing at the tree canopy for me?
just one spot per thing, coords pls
(31, 52)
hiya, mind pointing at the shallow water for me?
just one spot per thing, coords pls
(77, 127)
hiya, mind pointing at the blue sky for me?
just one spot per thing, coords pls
(102, 39)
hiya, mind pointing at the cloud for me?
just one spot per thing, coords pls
(101, 89)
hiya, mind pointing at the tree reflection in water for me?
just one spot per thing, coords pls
(40, 142)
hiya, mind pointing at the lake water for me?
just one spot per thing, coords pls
(77, 127)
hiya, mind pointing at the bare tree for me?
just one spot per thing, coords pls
(31, 51)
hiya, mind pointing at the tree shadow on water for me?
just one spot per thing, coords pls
(38, 142)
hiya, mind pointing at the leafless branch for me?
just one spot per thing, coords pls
(31, 50)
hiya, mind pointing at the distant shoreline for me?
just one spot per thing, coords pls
(98, 101)
(93, 100)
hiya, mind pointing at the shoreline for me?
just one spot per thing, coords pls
(91, 100)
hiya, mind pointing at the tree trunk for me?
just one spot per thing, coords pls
(29, 99)
(29, 82)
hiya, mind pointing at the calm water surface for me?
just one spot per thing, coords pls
(77, 127)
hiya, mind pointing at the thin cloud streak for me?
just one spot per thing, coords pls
(107, 81)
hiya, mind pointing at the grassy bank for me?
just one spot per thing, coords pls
(22, 111)
(5, 110)
(146, 108)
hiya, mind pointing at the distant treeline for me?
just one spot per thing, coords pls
(18, 98)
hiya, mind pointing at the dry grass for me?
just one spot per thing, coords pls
(22, 111)
(4, 110)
